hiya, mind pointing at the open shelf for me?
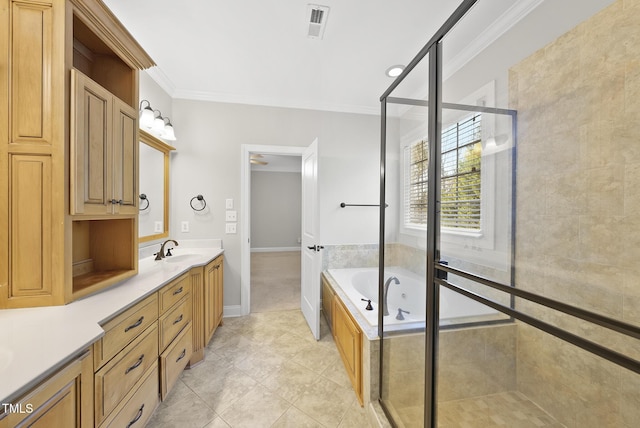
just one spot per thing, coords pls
(102, 254)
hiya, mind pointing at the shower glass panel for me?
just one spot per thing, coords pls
(404, 277)
(539, 194)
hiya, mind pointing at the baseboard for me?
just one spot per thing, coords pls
(232, 311)
(274, 249)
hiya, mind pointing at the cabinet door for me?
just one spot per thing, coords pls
(213, 284)
(92, 119)
(348, 338)
(125, 158)
(209, 301)
(219, 291)
(65, 400)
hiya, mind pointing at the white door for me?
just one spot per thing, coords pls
(311, 257)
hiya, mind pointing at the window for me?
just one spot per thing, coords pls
(461, 177)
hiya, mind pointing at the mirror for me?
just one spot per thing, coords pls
(153, 219)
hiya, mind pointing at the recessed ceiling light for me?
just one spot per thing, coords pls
(394, 71)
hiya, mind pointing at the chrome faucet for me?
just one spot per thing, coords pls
(160, 254)
(385, 308)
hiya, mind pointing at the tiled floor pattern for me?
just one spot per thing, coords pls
(275, 281)
(264, 370)
(504, 410)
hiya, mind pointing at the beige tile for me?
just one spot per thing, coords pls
(290, 381)
(260, 364)
(257, 408)
(220, 390)
(325, 401)
(355, 417)
(185, 409)
(294, 418)
(217, 422)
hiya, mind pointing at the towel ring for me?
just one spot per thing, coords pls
(143, 197)
(200, 198)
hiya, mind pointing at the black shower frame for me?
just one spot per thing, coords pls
(436, 271)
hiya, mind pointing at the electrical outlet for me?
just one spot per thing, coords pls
(157, 226)
(231, 216)
(229, 204)
(231, 228)
(184, 227)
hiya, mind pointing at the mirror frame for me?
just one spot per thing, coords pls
(156, 143)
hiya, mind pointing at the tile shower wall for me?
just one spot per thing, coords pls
(578, 230)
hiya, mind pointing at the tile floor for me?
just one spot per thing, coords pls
(275, 281)
(264, 370)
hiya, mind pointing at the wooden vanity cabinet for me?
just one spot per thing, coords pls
(123, 359)
(207, 284)
(213, 297)
(175, 335)
(63, 400)
(46, 256)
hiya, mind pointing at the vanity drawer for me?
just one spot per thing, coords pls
(173, 292)
(174, 321)
(174, 360)
(118, 376)
(121, 330)
(139, 406)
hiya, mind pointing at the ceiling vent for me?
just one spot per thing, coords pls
(317, 16)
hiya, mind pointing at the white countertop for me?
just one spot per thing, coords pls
(36, 342)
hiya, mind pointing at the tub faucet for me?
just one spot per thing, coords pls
(385, 308)
(160, 254)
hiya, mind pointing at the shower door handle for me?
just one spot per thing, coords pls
(316, 248)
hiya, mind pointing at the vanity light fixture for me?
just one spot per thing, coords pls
(146, 115)
(158, 122)
(168, 132)
(394, 71)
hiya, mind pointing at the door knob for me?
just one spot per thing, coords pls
(316, 248)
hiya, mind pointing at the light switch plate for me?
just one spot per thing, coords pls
(231, 228)
(229, 204)
(184, 226)
(157, 226)
(231, 216)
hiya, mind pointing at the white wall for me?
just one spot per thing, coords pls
(210, 137)
(276, 209)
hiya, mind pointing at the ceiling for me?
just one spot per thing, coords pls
(258, 52)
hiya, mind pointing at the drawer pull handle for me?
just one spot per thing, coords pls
(134, 325)
(182, 355)
(135, 366)
(178, 320)
(178, 291)
(138, 416)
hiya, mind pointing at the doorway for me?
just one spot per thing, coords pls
(275, 230)
(270, 261)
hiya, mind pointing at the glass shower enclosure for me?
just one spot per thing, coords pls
(509, 237)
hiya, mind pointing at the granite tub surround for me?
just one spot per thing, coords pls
(35, 342)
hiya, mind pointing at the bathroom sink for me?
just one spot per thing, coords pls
(183, 258)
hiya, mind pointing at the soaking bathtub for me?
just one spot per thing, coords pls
(409, 296)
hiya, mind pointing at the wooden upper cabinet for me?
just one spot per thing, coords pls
(125, 154)
(104, 150)
(51, 181)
